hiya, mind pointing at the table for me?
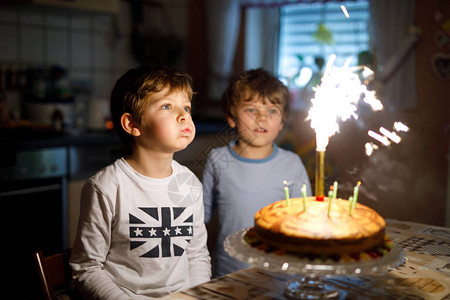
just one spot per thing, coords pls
(424, 275)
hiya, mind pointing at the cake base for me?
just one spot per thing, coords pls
(252, 239)
(312, 284)
(294, 264)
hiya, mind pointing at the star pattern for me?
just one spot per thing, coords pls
(138, 232)
(166, 231)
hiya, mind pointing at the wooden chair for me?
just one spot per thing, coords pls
(55, 274)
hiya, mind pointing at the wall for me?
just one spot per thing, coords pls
(94, 47)
(418, 173)
(84, 43)
(432, 116)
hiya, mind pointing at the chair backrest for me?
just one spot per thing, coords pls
(53, 271)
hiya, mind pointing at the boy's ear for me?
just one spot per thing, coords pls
(128, 125)
(231, 122)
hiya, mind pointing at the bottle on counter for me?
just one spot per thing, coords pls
(58, 120)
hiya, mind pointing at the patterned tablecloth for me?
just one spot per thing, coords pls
(424, 275)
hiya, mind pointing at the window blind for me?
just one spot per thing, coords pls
(300, 22)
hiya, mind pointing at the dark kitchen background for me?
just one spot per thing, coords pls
(60, 59)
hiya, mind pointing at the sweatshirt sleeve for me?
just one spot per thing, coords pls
(91, 246)
(197, 251)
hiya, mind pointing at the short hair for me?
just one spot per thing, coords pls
(255, 83)
(132, 90)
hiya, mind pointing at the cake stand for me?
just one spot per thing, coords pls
(312, 283)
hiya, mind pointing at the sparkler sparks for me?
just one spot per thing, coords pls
(336, 99)
(385, 137)
(399, 126)
(370, 147)
(367, 73)
(344, 10)
(382, 139)
(390, 135)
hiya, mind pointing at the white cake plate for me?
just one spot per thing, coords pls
(312, 284)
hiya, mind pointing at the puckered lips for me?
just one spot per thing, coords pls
(186, 131)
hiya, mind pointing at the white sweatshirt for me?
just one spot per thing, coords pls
(140, 237)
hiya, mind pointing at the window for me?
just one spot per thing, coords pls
(316, 30)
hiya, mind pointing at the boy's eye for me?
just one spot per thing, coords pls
(273, 111)
(251, 109)
(166, 106)
(187, 109)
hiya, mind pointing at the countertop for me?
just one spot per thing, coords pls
(27, 139)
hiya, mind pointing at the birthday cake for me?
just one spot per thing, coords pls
(310, 226)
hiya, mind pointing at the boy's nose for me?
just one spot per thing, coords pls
(182, 115)
(262, 115)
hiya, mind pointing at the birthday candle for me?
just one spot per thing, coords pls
(304, 196)
(355, 193)
(330, 197)
(350, 205)
(286, 192)
(335, 187)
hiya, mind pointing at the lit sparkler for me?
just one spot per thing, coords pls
(336, 99)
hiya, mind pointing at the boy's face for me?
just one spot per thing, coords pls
(258, 123)
(167, 124)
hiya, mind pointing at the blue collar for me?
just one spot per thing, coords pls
(249, 160)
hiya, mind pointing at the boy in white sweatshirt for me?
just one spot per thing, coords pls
(141, 233)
